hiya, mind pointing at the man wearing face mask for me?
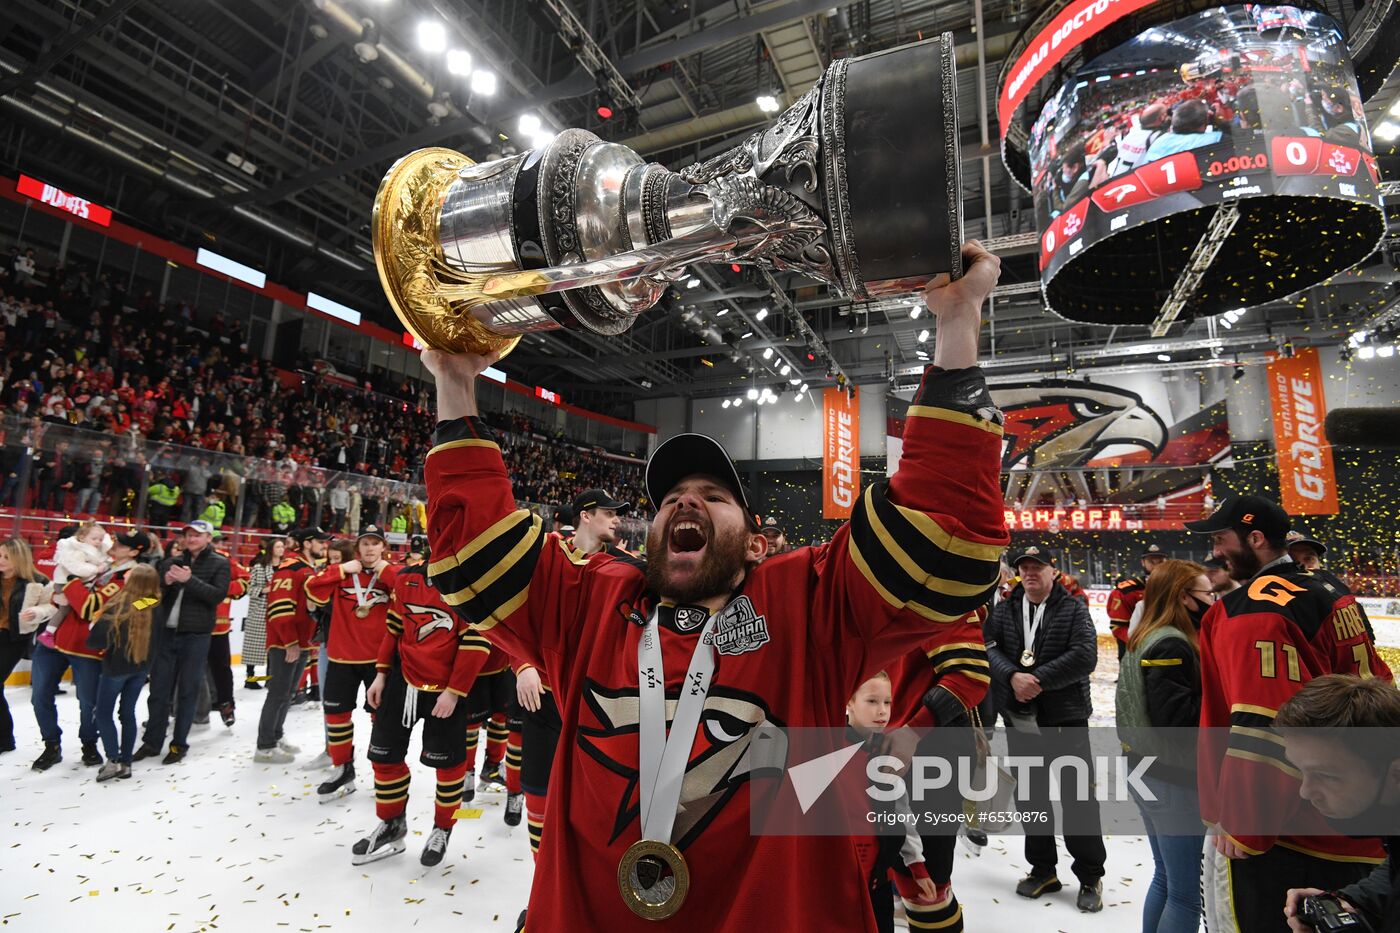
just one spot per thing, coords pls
(1351, 775)
(1259, 645)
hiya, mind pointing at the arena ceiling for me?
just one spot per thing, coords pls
(265, 126)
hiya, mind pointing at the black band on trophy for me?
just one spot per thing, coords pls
(529, 239)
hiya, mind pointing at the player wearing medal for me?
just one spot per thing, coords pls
(428, 659)
(596, 517)
(783, 641)
(1127, 594)
(358, 593)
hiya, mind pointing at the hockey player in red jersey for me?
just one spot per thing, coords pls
(1259, 644)
(358, 593)
(1127, 594)
(783, 641)
(290, 634)
(427, 662)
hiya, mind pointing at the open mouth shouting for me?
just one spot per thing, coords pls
(687, 536)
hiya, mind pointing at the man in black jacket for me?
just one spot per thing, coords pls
(1041, 648)
(195, 583)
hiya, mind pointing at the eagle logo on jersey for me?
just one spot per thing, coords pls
(375, 597)
(608, 727)
(1057, 424)
(438, 619)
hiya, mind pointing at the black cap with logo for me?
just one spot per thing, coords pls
(1033, 552)
(369, 531)
(1297, 537)
(598, 499)
(688, 455)
(136, 540)
(1244, 514)
(1153, 550)
(302, 535)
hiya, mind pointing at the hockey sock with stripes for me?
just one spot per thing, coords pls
(390, 790)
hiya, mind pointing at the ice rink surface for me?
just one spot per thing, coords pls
(220, 843)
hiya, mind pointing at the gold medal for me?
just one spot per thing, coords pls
(653, 879)
(362, 611)
(1028, 658)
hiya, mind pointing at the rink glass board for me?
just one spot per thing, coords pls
(1131, 158)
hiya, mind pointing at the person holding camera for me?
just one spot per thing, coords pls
(1351, 775)
(1042, 648)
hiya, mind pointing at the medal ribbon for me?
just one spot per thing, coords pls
(1030, 622)
(360, 593)
(662, 759)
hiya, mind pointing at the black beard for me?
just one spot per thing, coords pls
(721, 565)
(1244, 564)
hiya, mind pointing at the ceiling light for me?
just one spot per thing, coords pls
(1395, 108)
(1367, 353)
(1164, 357)
(914, 312)
(1387, 132)
(726, 404)
(529, 124)
(483, 82)
(1386, 351)
(762, 313)
(721, 312)
(604, 112)
(795, 380)
(459, 62)
(767, 353)
(746, 335)
(923, 335)
(432, 36)
(692, 282)
(738, 402)
(543, 138)
(1227, 323)
(752, 394)
(767, 103)
(785, 370)
(804, 387)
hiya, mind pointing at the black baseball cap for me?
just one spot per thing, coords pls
(302, 535)
(598, 499)
(370, 531)
(1153, 550)
(136, 540)
(1298, 537)
(1033, 552)
(687, 455)
(771, 528)
(1215, 563)
(1244, 514)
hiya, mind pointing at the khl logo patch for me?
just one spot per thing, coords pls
(739, 629)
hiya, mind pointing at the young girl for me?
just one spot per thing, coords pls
(82, 556)
(122, 632)
(867, 715)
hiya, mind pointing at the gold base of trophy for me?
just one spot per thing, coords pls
(410, 260)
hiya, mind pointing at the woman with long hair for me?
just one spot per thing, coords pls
(1159, 707)
(122, 631)
(21, 587)
(260, 573)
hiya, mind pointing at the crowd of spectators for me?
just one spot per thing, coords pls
(169, 399)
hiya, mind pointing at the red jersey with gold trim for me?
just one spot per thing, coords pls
(954, 659)
(85, 601)
(354, 639)
(921, 551)
(1122, 600)
(289, 621)
(435, 647)
(1259, 645)
(237, 587)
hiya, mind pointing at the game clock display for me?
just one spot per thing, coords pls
(1250, 105)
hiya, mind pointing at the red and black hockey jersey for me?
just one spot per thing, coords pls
(237, 587)
(955, 659)
(435, 647)
(1122, 600)
(354, 640)
(289, 621)
(1259, 645)
(85, 602)
(920, 552)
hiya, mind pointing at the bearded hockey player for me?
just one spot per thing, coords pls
(784, 641)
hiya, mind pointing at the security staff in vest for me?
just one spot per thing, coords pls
(1042, 648)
